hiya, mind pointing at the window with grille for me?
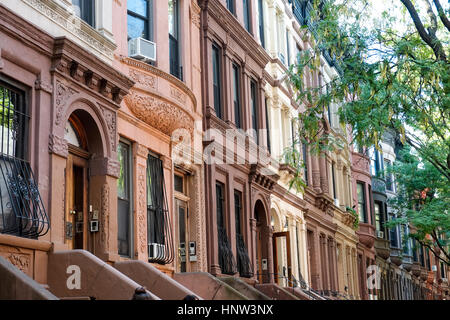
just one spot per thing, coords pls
(243, 260)
(22, 212)
(226, 259)
(159, 231)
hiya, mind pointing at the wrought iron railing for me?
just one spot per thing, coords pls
(22, 212)
(226, 259)
(159, 231)
(244, 264)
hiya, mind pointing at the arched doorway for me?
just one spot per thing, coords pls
(84, 144)
(263, 243)
(281, 250)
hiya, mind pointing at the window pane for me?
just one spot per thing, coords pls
(178, 181)
(173, 18)
(122, 182)
(138, 6)
(137, 27)
(361, 202)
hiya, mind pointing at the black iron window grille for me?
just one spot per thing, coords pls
(226, 259)
(22, 212)
(244, 265)
(159, 232)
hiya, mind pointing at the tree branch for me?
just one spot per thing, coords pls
(429, 39)
(442, 15)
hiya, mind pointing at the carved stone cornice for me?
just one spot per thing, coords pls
(266, 181)
(72, 61)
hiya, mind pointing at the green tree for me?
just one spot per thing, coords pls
(394, 74)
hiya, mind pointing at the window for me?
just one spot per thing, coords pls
(394, 236)
(421, 255)
(243, 260)
(267, 125)
(159, 231)
(246, 4)
(22, 212)
(376, 163)
(333, 178)
(85, 9)
(231, 6)
(178, 183)
(305, 162)
(261, 23)
(226, 259)
(378, 216)
(427, 259)
(389, 177)
(138, 19)
(236, 96)
(174, 50)
(361, 202)
(253, 103)
(216, 69)
(124, 221)
(280, 38)
(442, 269)
(288, 48)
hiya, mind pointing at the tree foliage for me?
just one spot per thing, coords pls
(394, 75)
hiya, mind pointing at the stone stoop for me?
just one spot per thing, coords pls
(243, 287)
(275, 291)
(154, 280)
(16, 285)
(208, 286)
(77, 274)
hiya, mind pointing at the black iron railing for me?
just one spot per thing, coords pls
(244, 265)
(22, 212)
(226, 259)
(159, 231)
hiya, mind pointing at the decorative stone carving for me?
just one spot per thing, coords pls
(142, 151)
(144, 79)
(112, 167)
(63, 93)
(104, 238)
(44, 86)
(73, 25)
(177, 94)
(58, 145)
(195, 13)
(21, 261)
(141, 212)
(110, 119)
(160, 114)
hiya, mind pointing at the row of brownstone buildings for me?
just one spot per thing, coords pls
(142, 145)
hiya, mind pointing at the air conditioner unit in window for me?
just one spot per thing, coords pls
(142, 49)
(155, 251)
(380, 234)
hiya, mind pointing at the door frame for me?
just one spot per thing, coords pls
(76, 157)
(284, 234)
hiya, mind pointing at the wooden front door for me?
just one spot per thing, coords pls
(282, 276)
(76, 202)
(259, 253)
